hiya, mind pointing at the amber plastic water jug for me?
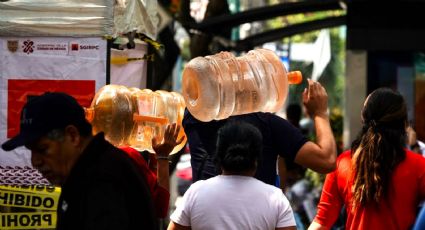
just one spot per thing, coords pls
(132, 117)
(217, 86)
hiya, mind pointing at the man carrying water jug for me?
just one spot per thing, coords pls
(280, 137)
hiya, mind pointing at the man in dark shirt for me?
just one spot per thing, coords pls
(102, 187)
(279, 138)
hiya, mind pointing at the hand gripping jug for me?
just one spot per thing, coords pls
(221, 85)
(132, 117)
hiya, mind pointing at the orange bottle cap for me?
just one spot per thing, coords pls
(89, 112)
(295, 77)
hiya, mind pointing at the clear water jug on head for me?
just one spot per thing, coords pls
(132, 117)
(217, 86)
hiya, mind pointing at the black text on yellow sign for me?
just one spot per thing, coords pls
(14, 196)
(28, 220)
(39, 189)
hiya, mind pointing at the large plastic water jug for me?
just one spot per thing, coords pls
(221, 85)
(132, 117)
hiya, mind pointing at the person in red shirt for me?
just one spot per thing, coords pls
(379, 181)
(157, 171)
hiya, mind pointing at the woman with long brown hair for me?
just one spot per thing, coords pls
(379, 181)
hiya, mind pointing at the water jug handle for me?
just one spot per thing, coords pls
(144, 118)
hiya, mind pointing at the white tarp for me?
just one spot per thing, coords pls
(322, 54)
(32, 65)
(318, 52)
(136, 15)
(133, 73)
(77, 17)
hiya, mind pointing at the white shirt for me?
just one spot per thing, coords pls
(233, 202)
(421, 147)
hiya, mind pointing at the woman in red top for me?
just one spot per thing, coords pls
(380, 183)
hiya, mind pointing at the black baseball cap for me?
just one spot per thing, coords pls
(44, 113)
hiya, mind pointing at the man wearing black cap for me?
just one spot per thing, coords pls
(101, 186)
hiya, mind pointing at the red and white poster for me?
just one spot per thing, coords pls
(30, 66)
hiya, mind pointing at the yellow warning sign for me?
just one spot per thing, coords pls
(28, 220)
(40, 189)
(35, 197)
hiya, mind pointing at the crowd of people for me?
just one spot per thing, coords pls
(379, 183)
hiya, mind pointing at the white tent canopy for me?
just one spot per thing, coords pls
(77, 17)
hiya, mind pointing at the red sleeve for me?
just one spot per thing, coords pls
(420, 162)
(161, 201)
(160, 196)
(330, 204)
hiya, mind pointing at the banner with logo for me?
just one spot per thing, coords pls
(30, 66)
